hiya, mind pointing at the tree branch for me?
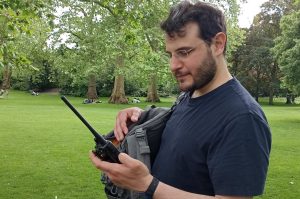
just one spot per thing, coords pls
(82, 10)
(76, 35)
(150, 42)
(110, 10)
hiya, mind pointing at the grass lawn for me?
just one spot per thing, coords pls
(283, 180)
(44, 148)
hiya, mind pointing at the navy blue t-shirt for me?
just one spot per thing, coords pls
(216, 144)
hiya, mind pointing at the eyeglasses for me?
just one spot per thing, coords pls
(182, 53)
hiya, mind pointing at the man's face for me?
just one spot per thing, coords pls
(191, 59)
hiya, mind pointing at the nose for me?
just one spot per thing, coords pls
(175, 63)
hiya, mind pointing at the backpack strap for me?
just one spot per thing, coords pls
(181, 96)
(137, 146)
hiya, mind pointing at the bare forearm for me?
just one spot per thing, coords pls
(165, 191)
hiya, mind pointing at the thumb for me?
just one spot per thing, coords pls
(126, 159)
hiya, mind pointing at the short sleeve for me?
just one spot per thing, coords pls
(238, 157)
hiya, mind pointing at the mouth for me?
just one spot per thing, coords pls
(180, 76)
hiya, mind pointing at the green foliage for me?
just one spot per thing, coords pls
(287, 49)
(91, 37)
(235, 35)
(254, 62)
(87, 48)
(16, 19)
(100, 32)
(38, 72)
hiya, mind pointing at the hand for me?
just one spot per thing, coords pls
(124, 118)
(130, 174)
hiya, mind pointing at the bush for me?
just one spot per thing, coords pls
(20, 84)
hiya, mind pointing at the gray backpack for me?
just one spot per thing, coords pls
(142, 142)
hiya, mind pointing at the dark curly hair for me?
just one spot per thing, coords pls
(210, 20)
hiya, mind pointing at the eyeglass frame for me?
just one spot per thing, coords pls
(181, 53)
(184, 53)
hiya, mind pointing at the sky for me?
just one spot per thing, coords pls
(248, 11)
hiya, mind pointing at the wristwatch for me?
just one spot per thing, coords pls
(152, 187)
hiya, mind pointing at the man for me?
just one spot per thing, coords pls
(217, 142)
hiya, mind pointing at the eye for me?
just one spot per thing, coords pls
(182, 53)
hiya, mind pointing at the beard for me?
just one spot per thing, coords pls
(203, 74)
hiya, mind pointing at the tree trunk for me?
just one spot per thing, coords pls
(273, 78)
(118, 94)
(6, 78)
(7, 71)
(257, 85)
(271, 95)
(92, 91)
(288, 98)
(152, 95)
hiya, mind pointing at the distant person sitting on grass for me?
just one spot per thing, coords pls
(3, 93)
(33, 93)
(136, 100)
(90, 101)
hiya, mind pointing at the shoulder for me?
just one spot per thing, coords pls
(239, 101)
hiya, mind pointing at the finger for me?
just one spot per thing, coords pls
(123, 126)
(122, 119)
(120, 125)
(98, 163)
(118, 132)
(136, 114)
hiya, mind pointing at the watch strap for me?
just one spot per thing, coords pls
(152, 187)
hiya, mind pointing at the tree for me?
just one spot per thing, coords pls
(38, 72)
(14, 20)
(287, 50)
(155, 64)
(138, 27)
(83, 44)
(269, 18)
(118, 14)
(261, 65)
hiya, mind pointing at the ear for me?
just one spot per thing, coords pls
(219, 43)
